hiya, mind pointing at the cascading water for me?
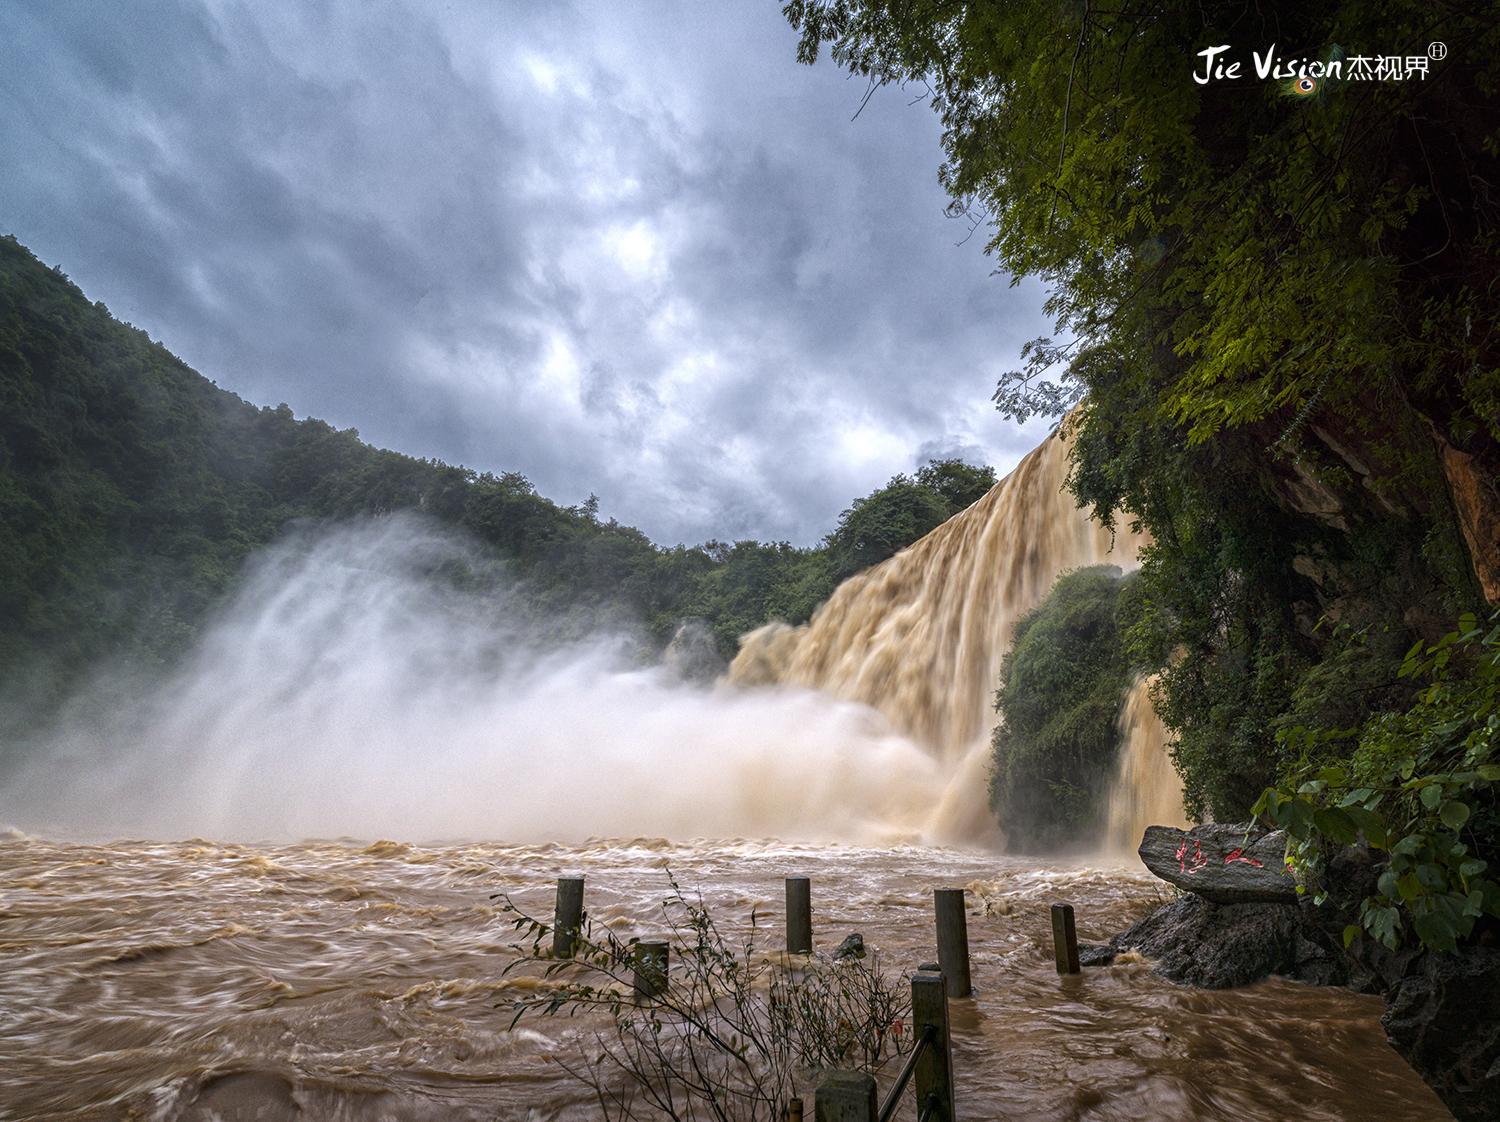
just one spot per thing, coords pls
(1146, 789)
(921, 636)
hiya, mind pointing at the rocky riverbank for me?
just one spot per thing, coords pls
(1241, 919)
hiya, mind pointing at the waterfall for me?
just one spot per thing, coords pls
(1146, 789)
(921, 636)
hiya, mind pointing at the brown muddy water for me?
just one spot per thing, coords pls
(337, 980)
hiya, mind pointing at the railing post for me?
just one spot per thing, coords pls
(934, 1074)
(953, 940)
(1064, 939)
(798, 915)
(568, 918)
(650, 970)
(845, 1096)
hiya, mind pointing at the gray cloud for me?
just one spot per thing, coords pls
(631, 249)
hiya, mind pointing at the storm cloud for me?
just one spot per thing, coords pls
(626, 249)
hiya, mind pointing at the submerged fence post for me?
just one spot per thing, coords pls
(1064, 939)
(934, 1074)
(568, 918)
(953, 940)
(650, 970)
(845, 1096)
(798, 915)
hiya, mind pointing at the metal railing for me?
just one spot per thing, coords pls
(893, 1096)
(849, 1096)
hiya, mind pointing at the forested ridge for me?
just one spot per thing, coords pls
(132, 489)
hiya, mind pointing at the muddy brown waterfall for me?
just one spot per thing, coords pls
(921, 636)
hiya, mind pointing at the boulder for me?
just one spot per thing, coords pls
(852, 947)
(1222, 862)
(1196, 942)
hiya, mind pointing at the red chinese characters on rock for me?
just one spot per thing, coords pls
(1197, 860)
(1194, 863)
(1238, 854)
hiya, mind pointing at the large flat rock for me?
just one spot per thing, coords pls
(1222, 862)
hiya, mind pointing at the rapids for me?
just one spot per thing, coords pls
(338, 981)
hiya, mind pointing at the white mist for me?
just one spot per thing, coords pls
(349, 690)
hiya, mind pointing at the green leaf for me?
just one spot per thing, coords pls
(1454, 814)
(1409, 846)
(1370, 823)
(1351, 933)
(1436, 931)
(1432, 795)
(1432, 877)
(1409, 887)
(1336, 824)
(1333, 776)
(1382, 923)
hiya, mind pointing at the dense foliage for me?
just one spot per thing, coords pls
(1420, 787)
(1061, 686)
(132, 489)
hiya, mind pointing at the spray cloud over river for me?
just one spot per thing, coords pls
(352, 687)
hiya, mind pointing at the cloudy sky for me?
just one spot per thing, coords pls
(625, 248)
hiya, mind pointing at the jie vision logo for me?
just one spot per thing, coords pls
(1305, 76)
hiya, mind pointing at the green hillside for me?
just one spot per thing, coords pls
(132, 489)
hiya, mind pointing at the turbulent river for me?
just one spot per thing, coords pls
(338, 980)
(346, 690)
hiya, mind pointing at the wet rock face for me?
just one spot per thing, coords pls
(1197, 942)
(1442, 1017)
(852, 947)
(1222, 862)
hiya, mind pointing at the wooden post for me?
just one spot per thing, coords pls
(934, 1074)
(953, 940)
(798, 915)
(1064, 939)
(650, 970)
(568, 918)
(794, 1110)
(845, 1096)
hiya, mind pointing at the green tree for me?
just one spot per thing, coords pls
(1061, 686)
(892, 517)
